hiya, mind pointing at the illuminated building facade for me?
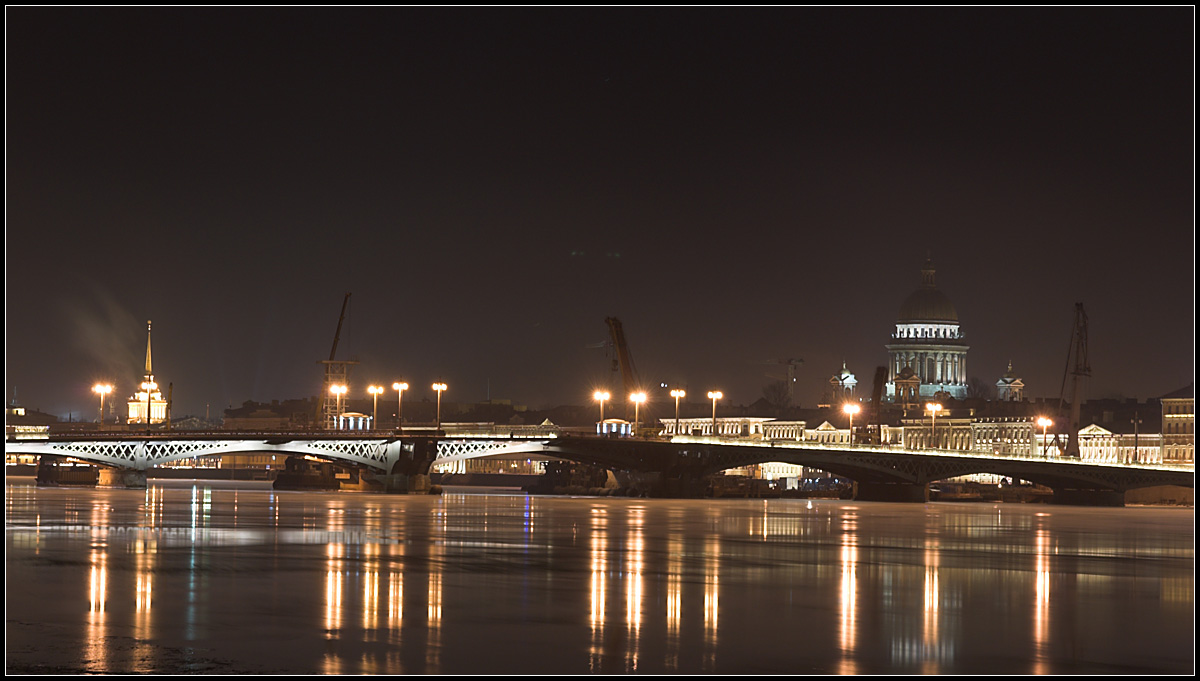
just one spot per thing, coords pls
(148, 402)
(1010, 388)
(927, 340)
(1179, 426)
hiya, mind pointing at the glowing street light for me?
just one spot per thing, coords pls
(439, 387)
(677, 394)
(1045, 423)
(399, 387)
(933, 408)
(637, 398)
(102, 389)
(600, 396)
(338, 391)
(715, 395)
(375, 390)
(851, 409)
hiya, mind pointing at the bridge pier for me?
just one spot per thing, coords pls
(1064, 496)
(127, 478)
(891, 491)
(53, 471)
(403, 483)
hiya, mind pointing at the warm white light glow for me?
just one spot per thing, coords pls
(638, 397)
(337, 389)
(439, 387)
(715, 395)
(374, 389)
(678, 394)
(399, 387)
(600, 396)
(851, 409)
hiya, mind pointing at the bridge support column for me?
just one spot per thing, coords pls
(122, 477)
(1087, 497)
(53, 471)
(888, 491)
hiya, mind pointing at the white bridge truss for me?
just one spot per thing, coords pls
(377, 454)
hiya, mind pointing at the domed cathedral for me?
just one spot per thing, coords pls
(928, 353)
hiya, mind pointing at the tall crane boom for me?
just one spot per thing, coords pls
(336, 374)
(628, 372)
(338, 334)
(1079, 353)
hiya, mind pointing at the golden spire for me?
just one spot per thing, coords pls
(149, 371)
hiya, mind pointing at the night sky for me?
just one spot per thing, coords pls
(736, 185)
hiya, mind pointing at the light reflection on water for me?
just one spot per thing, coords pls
(235, 577)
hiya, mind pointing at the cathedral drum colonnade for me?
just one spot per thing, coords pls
(928, 352)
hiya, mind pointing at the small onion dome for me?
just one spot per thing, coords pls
(928, 304)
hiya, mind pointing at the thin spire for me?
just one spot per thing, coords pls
(149, 370)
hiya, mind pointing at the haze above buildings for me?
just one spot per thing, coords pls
(735, 186)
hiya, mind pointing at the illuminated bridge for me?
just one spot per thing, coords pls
(662, 467)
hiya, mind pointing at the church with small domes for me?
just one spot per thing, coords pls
(927, 354)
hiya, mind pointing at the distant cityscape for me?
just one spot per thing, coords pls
(925, 384)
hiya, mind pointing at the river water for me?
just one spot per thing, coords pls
(218, 577)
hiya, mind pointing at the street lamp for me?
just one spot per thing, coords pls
(102, 389)
(637, 398)
(375, 390)
(677, 394)
(715, 395)
(338, 391)
(851, 409)
(439, 387)
(600, 396)
(399, 387)
(1045, 423)
(933, 408)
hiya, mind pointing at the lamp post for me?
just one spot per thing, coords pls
(399, 387)
(637, 398)
(677, 394)
(338, 391)
(600, 396)
(1135, 421)
(715, 395)
(1044, 423)
(439, 387)
(851, 409)
(933, 409)
(102, 389)
(375, 390)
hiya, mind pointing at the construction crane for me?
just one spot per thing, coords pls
(623, 360)
(336, 373)
(1077, 355)
(791, 364)
(875, 409)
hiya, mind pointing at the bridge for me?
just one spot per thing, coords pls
(675, 466)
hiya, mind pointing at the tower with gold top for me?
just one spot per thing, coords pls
(148, 402)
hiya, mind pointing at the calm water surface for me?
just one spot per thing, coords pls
(225, 577)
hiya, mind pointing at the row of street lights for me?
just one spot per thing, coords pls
(377, 390)
(637, 398)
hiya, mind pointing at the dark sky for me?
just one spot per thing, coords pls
(736, 185)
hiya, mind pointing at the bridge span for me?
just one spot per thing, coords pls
(677, 466)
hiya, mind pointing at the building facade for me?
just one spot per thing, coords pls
(1179, 426)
